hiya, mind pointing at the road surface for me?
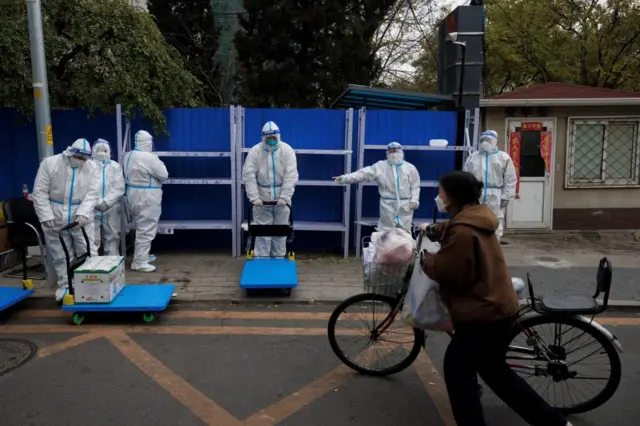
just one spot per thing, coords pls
(236, 365)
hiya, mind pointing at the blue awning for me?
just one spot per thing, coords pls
(376, 98)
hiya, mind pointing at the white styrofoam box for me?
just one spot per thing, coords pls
(99, 279)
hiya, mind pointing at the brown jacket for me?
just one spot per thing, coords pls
(475, 284)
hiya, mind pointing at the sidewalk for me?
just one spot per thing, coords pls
(558, 263)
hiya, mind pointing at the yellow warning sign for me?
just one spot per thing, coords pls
(49, 133)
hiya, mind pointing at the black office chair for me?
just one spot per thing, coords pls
(24, 231)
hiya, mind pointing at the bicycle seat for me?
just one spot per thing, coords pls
(578, 304)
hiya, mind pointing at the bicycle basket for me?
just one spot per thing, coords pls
(386, 280)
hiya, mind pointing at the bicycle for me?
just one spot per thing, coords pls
(534, 359)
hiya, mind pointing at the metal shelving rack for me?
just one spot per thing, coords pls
(373, 221)
(347, 152)
(168, 226)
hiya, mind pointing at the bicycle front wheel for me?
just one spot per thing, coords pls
(367, 334)
(572, 365)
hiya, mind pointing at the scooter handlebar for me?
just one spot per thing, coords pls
(69, 226)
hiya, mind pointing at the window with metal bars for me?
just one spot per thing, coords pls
(603, 152)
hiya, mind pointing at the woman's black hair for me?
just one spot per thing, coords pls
(462, 188)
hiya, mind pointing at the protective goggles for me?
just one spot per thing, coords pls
(77, 152)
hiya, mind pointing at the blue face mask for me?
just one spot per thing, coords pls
(271, 142)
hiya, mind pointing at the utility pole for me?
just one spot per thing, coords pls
(40, 82)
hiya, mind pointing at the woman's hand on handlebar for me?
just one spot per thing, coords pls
(429, 230)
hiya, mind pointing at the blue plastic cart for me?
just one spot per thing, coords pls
(149, 299)
(266, 272)
(10, 296)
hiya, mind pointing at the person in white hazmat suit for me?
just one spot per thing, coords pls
(494, 168)
(398, 184)
(66, 191)
(270, 173)
(108, 217)
(144, 174)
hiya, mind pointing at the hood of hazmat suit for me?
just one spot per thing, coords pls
(270, 173)
(270, 136)
(66, 186)
(144, 174)
(398, 185)
(108, 225)
(494, 168)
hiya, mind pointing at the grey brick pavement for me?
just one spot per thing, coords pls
(203, 277)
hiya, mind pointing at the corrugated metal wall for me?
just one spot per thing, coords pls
(209, 130)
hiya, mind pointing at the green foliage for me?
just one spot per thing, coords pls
(98, 53)
(303, 53)
(587, 42)
(189, 26)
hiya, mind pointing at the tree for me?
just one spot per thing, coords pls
(189, 26)
(304, 53)
(401, 40)
(587, 42)
(99, 53)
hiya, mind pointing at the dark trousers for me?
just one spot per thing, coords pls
(479, 349)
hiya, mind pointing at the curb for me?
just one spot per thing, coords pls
(40, 301)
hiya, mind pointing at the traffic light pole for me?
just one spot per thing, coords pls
(40, 82)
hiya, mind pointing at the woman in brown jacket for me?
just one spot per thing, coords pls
(476, 287)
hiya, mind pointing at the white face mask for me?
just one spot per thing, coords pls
(486, 146)
(395, 158)
(101, 156)
(442, 208)
(76, 163)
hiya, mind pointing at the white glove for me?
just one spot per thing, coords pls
(257, 203)
(49, 224)
(413, 205)
(504, 203)
(82, 221)
(337, 179)
(282, 202)
(103, 206)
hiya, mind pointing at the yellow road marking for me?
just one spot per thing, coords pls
(68, 344)
(199, 404)
(435, 387)
(175, 329)
(293, 403)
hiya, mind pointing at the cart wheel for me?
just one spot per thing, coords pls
(250, 255)
(292, 256)
(77, 318)
(148, 317)
(27, 284)
(288, 291)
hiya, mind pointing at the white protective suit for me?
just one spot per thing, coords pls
(494, 168)
(398, 184)
(144, 174)
(270, 173)
(66, 191)
(108, 213)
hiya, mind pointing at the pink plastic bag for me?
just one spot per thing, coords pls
(394, 248)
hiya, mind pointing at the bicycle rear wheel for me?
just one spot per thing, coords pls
(565, 357)
(383, 332)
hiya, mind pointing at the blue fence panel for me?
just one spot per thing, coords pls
(19, 147)
(308, 129)
(209, 130)
(198, 129)
(410, 128)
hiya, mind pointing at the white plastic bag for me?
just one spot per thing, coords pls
(423, 307)
(394, 247)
